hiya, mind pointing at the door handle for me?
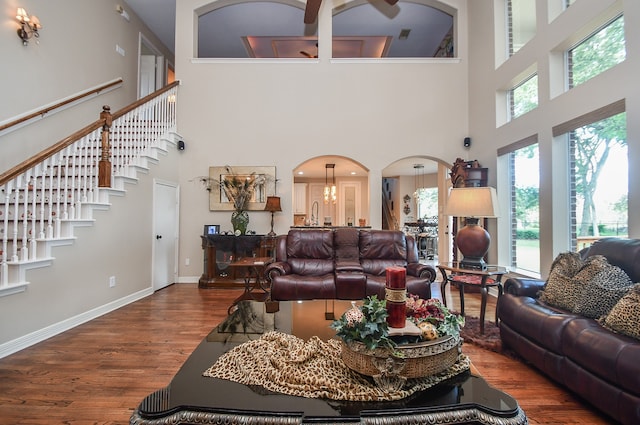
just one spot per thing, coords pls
(158, 236)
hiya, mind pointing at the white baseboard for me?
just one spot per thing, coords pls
(40, 335)
(188, 279)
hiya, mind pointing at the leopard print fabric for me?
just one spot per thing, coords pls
(624, 317)
(286, 364)
(565, 286)
(561, 290)
(603, 291)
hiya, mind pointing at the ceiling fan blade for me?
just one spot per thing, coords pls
(311, 11)
(391, 2)
(303, 53)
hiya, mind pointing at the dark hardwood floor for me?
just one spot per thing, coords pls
(97, 373)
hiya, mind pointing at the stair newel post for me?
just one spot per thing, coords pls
(104, 167)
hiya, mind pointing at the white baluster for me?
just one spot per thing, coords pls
(24, 193)
(34, 207)
(50, 201)
(58, 158)
(72, 200)
(65, 191)
(42, 190)
(4, 268)
(16, 218)
(91, 166)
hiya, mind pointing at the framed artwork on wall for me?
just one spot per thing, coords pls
(262, 179)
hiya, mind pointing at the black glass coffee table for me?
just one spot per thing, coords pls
(191, 398)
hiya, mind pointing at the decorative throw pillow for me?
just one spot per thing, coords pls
(603, 291)
(560, 290)
(624, 317)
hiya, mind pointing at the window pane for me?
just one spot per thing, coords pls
(266, 30)
(525, 205)
(522, 23)
(598, 53)
(378, 30)
(524, 97)
(600, 177)
(427, 202)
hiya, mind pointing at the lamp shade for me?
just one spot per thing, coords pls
(273, 204)
(472, 202)
(472, 240)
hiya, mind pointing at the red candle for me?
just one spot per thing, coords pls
(396, 295)
(396, 277)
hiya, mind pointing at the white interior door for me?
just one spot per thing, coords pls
(147, 75)
(166, 196)
(349, 200)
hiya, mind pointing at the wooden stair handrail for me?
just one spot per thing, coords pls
(69, 140)
(142, 101)
(44, 111)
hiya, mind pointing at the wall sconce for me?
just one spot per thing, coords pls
(29, 25)
(123, 12)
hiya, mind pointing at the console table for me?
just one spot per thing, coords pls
(192, 398)
(221, 250)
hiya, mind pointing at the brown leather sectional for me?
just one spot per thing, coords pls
(599, 365)
(344, 263)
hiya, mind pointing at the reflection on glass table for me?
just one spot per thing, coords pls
(223, 259)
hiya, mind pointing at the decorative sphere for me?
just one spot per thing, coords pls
(353, 315)
(429, 331)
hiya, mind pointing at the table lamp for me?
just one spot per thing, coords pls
(273, 206)
(473, 240)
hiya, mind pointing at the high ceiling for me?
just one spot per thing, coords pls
(254, 28)
(224, 31)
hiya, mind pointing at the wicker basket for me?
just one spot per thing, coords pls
(416, 360)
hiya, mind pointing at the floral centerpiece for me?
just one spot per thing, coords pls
(434, 313)
(367, 324)
(369, 349)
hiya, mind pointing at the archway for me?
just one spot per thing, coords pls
(411, 186)
(351, 181)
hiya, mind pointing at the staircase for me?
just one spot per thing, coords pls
(46, 197)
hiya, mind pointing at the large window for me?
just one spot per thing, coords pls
(601, 51)
(523, 167)
(524, 97)
(256, 30)
(599, 176)
(405, 30)
(521, 20)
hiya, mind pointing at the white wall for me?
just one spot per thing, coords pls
(73, 55)
(283, 113)
(485, 81)
(76, 51)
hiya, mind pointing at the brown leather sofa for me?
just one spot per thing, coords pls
(599, 365)
(344, 263)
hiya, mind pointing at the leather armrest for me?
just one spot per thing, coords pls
(348, 266)
(279, 268)
(523, 287)
(422, 271)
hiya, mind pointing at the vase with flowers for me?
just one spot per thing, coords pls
(239, 190)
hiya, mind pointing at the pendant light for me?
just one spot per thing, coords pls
(330, 191)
